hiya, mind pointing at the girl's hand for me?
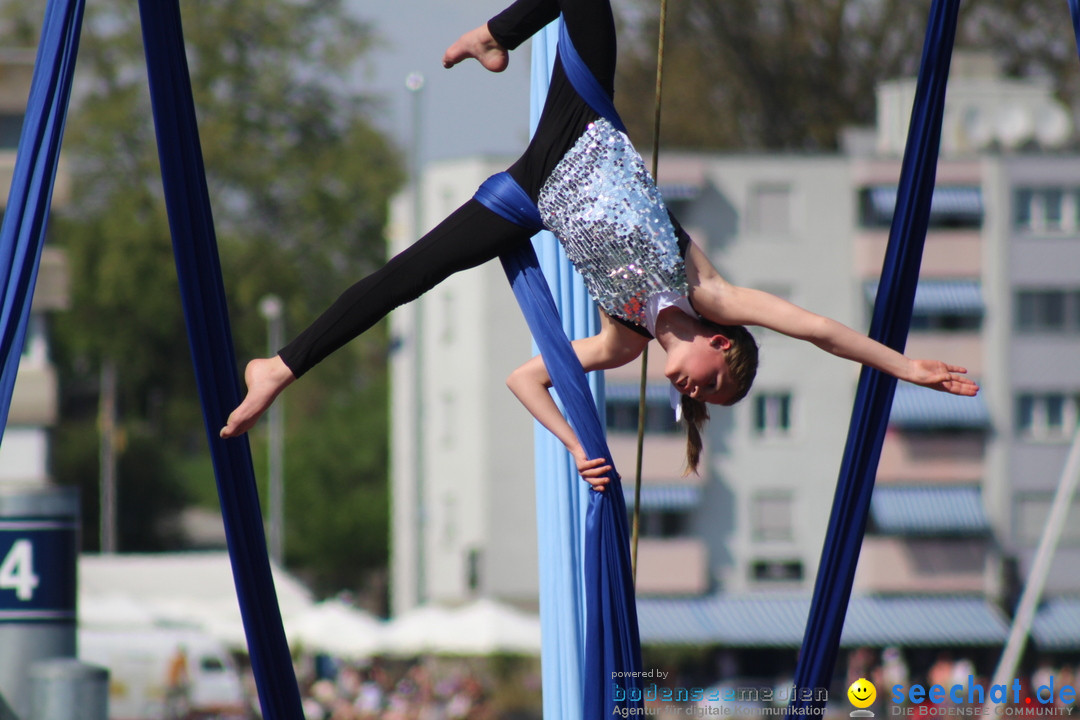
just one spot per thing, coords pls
(595, 472)
(937, 375)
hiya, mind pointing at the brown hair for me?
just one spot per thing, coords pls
(742, 363)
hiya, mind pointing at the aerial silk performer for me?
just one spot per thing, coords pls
(873, 400)
(581, 178)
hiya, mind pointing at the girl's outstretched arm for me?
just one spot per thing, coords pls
(613, 346)
(726, 304)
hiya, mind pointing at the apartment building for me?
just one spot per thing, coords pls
(963, 486)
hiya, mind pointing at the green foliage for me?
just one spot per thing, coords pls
(336, 494)
(791, 74)
(149, 491)
(299, 182)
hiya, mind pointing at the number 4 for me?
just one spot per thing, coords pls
(17, 570)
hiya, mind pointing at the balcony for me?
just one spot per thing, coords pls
(662, 462)
(922, 565)
(672, 566)
(963, 348)
(928, 457)
(957, 253)
(34, 398)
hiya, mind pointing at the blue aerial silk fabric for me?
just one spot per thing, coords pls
(1074, 11)
(612, 648)
(26, 216)
(890, 323)
(203, 296)
(561, 498)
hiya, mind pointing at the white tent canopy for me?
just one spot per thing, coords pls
(195, 589)
(482, 627)
(128, 592)
(338, 629)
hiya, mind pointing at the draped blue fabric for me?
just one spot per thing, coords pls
(583, 81)
(203, 296)
(891, 320)
(1074, 11)
(611, 637)
(501, 194)
(23, 233)
(561, 498)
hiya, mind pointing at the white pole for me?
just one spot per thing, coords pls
(1040, 568)
(414, 82)
(270, 307)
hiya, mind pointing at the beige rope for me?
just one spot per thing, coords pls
(635, 530)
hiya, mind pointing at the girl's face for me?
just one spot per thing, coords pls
(698, 368)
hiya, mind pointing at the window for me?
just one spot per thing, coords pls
(1048, 310)
(1022, 210)
(771, 517)
(772, 413)
(770, 210)
(10, 130)
(622, 415)
(777, 570)
(472, 568)
(663, 523)
(944, 322)
(1051, 209)
(1046, 416)
(35, 347)
(1032, 514)
(941, 305)
(952, 206)
(211, 664)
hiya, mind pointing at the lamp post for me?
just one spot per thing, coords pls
(414, 83)
(270, 308)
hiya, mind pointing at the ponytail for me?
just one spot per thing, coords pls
(694, 415)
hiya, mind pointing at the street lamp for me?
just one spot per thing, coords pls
(270, 308)
(414, 83)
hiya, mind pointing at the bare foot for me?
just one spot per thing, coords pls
(478, 44)
(265, 378)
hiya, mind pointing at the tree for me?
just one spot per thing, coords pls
(299, 180)
(791, 74)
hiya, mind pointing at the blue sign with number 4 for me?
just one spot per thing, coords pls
(37, 569)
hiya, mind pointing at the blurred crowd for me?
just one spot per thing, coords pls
(423, 689)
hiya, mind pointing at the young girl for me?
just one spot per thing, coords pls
(649, 279)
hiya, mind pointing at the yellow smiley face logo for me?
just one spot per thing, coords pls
(862, 693)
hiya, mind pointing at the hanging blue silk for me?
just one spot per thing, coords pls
(587, 86)
(891, 320)
(203, 296)
(501, 194)
(1074, 11)
(612, 648)
(561, 498)
(27, 212)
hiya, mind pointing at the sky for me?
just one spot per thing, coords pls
(464, 111)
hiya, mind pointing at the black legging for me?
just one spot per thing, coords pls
(472, 235)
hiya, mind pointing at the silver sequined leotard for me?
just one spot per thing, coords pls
(605, 209)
